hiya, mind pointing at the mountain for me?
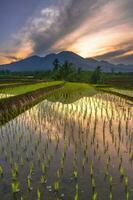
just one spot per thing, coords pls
(36, 63)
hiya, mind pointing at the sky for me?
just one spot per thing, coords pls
(102, 29)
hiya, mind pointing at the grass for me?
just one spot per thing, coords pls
(27, 88)
(6, 84)
(122, 91)
(72, 92)
(123, 80)
(117, 90)
(78, 86)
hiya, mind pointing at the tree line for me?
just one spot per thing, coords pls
(64, 71)
(68, 72)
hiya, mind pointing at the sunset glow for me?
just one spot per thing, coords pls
(92, 29)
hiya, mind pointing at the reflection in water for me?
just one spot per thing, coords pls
(3, 96)
(80, 149)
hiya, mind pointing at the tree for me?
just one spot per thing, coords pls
(79, 74)
(65, 71)
(97, 76)
(112, 70)
(56, 64)
(56, 69)
(68, 72)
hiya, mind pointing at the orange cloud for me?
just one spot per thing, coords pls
(17, 54)
(98, 34)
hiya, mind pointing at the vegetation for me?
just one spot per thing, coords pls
(66, 134)
(27, 88)
(72, 75)
(122, 92)
(12, 106)
(80, 150)
(64, 71)
(96, 77)
(72, 92)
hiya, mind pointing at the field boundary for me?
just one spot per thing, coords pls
(116, 93)
(17, 84)
(15, 105)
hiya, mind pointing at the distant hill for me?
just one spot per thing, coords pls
(36, 63)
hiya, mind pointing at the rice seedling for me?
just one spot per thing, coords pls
(94, 196)
(76, 197)
(110, 196)
(56, 186)
(93, 184)
(38, 194)
(65, 148)
(110, 182)
(75, 174)
(122, 173)
(29, 184)
(14, 174)
(106, 172)
(127, 195)
(43, 180)
(15, 187)
(1, 171)
(126, 183)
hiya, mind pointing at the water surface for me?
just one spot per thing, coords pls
(56, 140)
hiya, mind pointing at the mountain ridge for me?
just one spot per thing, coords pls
(37, 63)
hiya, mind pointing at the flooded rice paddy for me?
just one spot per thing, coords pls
(3, 96)
(81, 150)
(122, 91)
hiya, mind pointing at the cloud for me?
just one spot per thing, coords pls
(88, 27)
(16, 53)
(117, 53)
(126, 58)
(55, 22)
